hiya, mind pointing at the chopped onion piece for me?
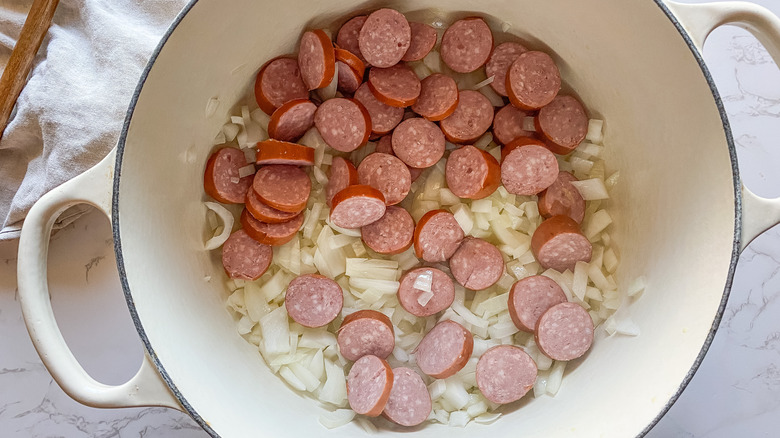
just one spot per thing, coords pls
(610, 260)
(376, 269)
(291, 378)
(597, 223)
(261, 118)
(246, 170)
(456, 393)
(505, 26)
(487, 418)
(337, 418)
(467, 316)
(484, 83)
(554, 379)
(237, 120)
(250, 154)
(245, 325)
(580, 282)
(305, 376)
(319, 175)
(459, 419)
(317, 366)
(366, 425)
(211, 217)
(437, 388)
(276, 332)
(484, 141)
(492, 96)
(446, 197)
(637, 286)
(256, 306)
(540, 386)
(211, 106)
(595, 131)
(612, 180)
(227, 225)
(464, 217)
(433, 61)
(312, 139)
(590, 149)
(316, 338)
(597, 277)
(220, 138)
(529, 124)
(423, 282)
(502, 329)
(329, 91)
(354, 232)
(421, 70)
(591, 189)
(581, 165)
(334, 390)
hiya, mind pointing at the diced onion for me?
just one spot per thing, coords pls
(487, 418)
(597, 223)
(220, 138)
(424, 282)
(554, 379)
(337, 418)
(227, 225)
(246, 170)
(421, 70)
(492, 96)
(484, 141)
(484, 83)
(261, 118)
(590, 149)
(529, 124)
(637, 286)
(459, 419)
(591, 189)
(433, 61)
(211, 107)
(329, 91)
(595, 131)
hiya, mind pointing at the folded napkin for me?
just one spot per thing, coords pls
(71, 111)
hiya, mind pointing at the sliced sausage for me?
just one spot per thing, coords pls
(559, 244)
(444, 350)
(352, 60)
(265, 213)
(385, 145)
(396, 86)
(438, 97)
(282, 187)
(313, 300)
(387, 174)
(342, 175)
(530, 297)
(519, 142)
(497, 65)
(283, 152)
(477, 264)
(245, 258)
(533, 81)
(471, 118)
(437, 236)
(529, 169)
(418, 142)
(344, 124)
(383, 117)
(508, 125)
(221, 180)
(505, 373)
(348, 81)
(409, 403)
(423, 39)
(357, 206)
(270, 234)
(562, 198)
(563, 123)
(422, 304)
(472, 173)
(466, 44)
(385, 37)
(316, 59)
(291, 120)
(564, 332)
(392, 233)
(278, 82)
(366, 332)
(347, 36)
(369, 383)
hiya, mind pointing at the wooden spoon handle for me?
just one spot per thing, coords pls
(19, 64)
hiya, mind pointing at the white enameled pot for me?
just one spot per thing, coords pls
(681, 214)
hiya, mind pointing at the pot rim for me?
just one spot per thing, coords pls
(205, 425)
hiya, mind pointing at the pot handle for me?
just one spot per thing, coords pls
(699, 20)
(147, 387)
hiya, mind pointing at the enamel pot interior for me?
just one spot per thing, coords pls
(673, 210)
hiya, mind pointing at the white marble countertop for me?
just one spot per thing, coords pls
(736, 392)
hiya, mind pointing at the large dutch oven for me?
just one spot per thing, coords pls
(681, 214)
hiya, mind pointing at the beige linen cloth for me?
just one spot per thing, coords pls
(71, 111)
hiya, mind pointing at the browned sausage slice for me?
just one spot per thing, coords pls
(533, 81)
(385, 37)
(472, 173)
(349, 81)
(498, 64)
(508, 125)
(316, 59)
(343, 123)
(438, 97)
(342, 175)
(282, 187)
(245, 258)
(347, 37)
(265, 213)
(313, 300)
(437, 236)
(441, 286)
(392, 233)
(409, 403)
(396, 86)
(291, 120)
(564, 332)
(477, 264)
(423, 39)
(559, 244)
(472, 118)
(366, 332)
(466, 44)
(418, 142)
(357, 206)
(530, 297)
(368, 385)
(444, 350)
(352, 60)
(383, 117)
(387, 174)
(562, 198)
(505, 373)
(283, 152)
(221, 180)
(529, 169)
(563, 123)
(279, 82)
(270, 234)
